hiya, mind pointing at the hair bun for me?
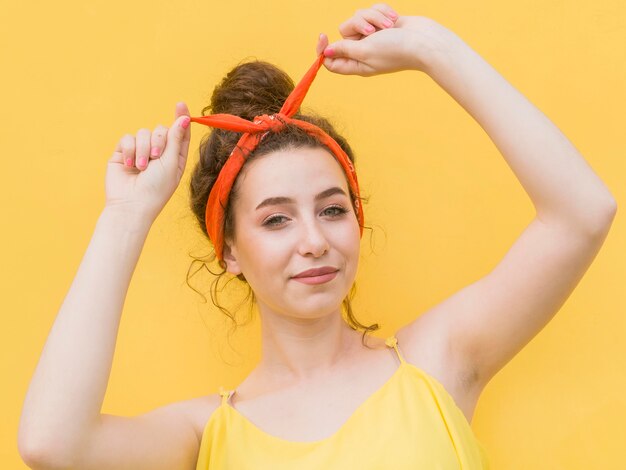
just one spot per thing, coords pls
(251, 89)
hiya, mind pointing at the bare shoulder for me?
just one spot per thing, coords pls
(199, 410)
(426, 343)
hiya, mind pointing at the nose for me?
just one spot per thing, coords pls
(313, 239)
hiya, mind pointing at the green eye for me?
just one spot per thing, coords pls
(340, 210)
(271, 220)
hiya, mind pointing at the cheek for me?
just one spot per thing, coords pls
(355, 245)
(348, 243)
(354, 232)
(266, 246)
(267, 260)
(264, 253)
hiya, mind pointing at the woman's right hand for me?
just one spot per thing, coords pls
(140, 182)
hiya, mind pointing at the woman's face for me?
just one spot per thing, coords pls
(294, 213)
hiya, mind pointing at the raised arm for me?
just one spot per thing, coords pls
(61, 421)
(489, 321)
(483, 325)
(560, 183)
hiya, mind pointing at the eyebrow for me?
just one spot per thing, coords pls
(286, 200)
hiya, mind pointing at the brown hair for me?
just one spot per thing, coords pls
(250, 89)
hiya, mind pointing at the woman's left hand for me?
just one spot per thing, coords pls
(377, 40)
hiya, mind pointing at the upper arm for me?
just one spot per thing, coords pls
(162, 439)
(489, 321)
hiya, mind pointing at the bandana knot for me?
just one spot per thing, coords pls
(273, 123)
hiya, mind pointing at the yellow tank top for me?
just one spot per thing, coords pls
(411, 422)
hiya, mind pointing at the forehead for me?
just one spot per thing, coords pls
(301, 172)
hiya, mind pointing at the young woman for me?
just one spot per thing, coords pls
(281, 199)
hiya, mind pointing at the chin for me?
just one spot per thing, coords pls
(316, 304)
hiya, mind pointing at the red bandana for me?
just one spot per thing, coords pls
(254, 132)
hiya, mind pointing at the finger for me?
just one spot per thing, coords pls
(387, 11)
(341, 65)
(117, 156)
(127, 148)
(347, 48)
(372, 20)
(348, 67)
(322, 43)
(142, 150)
(175, 153)
(366, 21)
(350, 29)
(183, 110)
(157, 141)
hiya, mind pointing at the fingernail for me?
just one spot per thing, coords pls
(142, 161)
(154, 152)
(329, 52)
(129, 162)
(393, 15)
(185, 123)
(369, 27)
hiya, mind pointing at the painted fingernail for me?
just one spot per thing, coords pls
(369, 28)
(129, 162)
(154, 152)
(185, 123)
(329, 52)
(393, 15)
(142, 162)
(387, 23)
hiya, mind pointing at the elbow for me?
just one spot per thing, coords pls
(593, 221)
(605, 219)
(612, 207)
(611, 210)
(37, 457)
(32, 456)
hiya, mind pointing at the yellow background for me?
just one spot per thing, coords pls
(445, 206)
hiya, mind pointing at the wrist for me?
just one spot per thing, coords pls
(126, 219)
(432, 44)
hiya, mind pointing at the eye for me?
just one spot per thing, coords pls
(339, 210)
(272, 220)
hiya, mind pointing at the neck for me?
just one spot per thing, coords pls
(296, 349)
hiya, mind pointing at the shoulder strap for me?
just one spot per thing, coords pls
(392, 342)
(225, 395)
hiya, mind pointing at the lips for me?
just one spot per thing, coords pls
(317, 271)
